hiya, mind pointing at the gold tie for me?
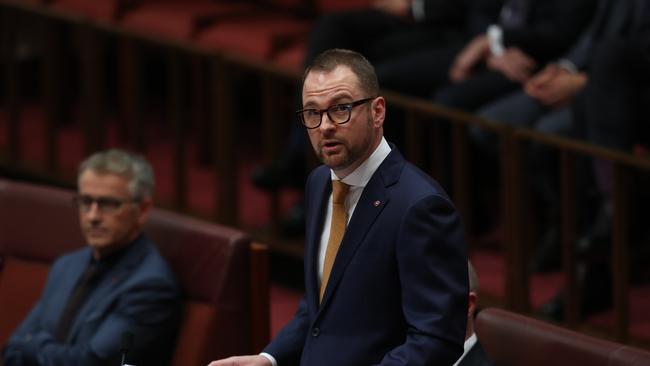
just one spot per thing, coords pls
(339, 220)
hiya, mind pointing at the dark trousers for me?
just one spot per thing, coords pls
(480, 89)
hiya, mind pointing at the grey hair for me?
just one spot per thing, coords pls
(473, 278)
(131, 166)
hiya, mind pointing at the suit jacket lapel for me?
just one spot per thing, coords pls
(371, 203)
(321, 190)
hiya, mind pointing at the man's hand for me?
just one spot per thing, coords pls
(398, 8)
(555, 86)
(514, 63)
(476, 51)
(242, 361)
(543, 78)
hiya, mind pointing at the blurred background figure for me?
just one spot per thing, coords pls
(473, 353)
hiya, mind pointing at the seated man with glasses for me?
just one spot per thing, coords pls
(119, 283)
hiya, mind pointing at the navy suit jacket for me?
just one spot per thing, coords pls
(139, 294)
(397, 293)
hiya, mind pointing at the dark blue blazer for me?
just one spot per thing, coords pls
(397, 294)
(138, 294)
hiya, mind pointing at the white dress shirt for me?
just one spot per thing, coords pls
(357, 180)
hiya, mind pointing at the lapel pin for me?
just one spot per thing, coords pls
(376, 203)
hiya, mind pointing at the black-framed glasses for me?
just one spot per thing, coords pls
(337, 113)
(104, 204)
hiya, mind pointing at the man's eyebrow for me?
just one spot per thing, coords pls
(342, 100)
(309, 105)
(337, 99)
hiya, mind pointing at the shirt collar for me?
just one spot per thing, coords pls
(467, 346)
(362, 174)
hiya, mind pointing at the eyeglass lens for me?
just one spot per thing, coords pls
(104, 204)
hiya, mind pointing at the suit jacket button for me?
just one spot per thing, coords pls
(315, 332)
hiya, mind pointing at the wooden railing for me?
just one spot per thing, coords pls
(421, 115)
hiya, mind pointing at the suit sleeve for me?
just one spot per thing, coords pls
(149, 311)
(432, 262)
(554, 27)
(287, 346)
(480, 14)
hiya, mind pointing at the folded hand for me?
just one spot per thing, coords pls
(513, 63)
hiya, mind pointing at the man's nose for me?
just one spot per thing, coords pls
(326, 122)
(93, 212)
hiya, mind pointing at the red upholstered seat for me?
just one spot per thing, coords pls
(265, 37)
(199, 323)
(328, 6)
(515, 340)
(103, 10)
(260, 37)
(25, 2)
(180, 19)
(21, 284)
(292, 58)
(36, 222)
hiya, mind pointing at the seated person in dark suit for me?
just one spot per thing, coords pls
(611, 111)
(118, 283)
(544, 104)
(527, 34)
(473, 353)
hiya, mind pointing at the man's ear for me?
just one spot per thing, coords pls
(144, 206)
(471, 304)
(378, 111)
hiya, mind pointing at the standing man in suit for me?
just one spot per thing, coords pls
(385, 257)
(118, 283)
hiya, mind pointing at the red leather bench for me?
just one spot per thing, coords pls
(223, 275)
(515, 340)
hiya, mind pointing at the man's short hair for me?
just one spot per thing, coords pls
(360, 66)
(473, 278)
(131, 166)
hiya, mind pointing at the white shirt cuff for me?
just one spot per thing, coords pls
(567, 65)
(495, 38)
(270, 358)
(417, 9)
